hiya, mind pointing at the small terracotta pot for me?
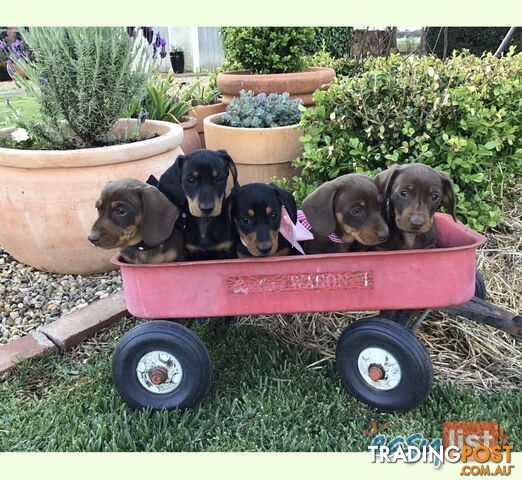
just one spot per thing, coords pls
(47, 197)
(203, 111)
(299, 84)
(191, 139)
(259, 153)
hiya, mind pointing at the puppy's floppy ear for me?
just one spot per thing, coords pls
(230, 165)
(385, 179)
(318, 208)
(228, 205)
(159, 216)
(287, 200)
(170, 182)
(448, 195)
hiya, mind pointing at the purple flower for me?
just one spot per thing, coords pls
(3, 46)
(131, 31)
(154, 50)
(163, 42)
(8, 103)
(158, 40)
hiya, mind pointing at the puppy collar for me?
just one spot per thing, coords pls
(301, 218)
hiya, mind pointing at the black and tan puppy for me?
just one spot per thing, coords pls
(197, 183)
(413, 194)
(138, 219)
(345, 214)
(255, 210)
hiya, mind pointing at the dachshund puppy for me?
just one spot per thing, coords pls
(140, 220)
(344, 215)
(413, 194)
(256, 210)
(196, 183)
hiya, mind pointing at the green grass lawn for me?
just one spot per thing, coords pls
(27, 106)
(263, 398)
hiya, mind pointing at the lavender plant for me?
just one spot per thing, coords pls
(83, 78)
(262, 111)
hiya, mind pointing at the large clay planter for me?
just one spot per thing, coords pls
(47, 197)
(203, 111)
(299, 84)
(191, 140)
(259, 153)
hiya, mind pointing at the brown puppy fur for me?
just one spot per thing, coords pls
(413, 194)
(351, 208)
(140, 220)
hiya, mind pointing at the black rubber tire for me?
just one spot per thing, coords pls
(480, 286)
(416, 368)
(171, 337)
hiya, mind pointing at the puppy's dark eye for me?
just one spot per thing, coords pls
(246, 220)
(434, 197)
(356, 211)
(120, 212)
(190, 180)
(403, 194)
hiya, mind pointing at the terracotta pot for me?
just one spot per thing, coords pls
(298, 85)
(259, 153)
(47, 197)
(203, 111)
(191, 139)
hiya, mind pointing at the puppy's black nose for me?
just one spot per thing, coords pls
(264, 247)
(94, 238)
(206, 207)
(416, 222)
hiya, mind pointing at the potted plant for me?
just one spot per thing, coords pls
(177, 59)
(53, 170)
(271, 60)
(260, 133)
(168, 101)
(206, 100)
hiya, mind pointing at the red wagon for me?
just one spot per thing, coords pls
(380, 360)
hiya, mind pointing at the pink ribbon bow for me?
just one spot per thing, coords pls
(293, 232)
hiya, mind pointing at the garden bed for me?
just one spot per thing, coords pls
(31, 299)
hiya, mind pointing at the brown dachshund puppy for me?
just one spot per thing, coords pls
(413, 194)
(345, 215)
(140, 220)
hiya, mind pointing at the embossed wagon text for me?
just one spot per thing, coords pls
(249, 284)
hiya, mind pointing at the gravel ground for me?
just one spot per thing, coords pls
(30, 298)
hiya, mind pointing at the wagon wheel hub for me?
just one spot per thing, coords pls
(376, 372)
(158, 375)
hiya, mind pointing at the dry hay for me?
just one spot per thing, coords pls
(465, 352)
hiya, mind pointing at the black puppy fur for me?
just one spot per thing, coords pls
(413, 193)
(255, 211)
(196, 183)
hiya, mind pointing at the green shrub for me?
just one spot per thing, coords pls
(84, 78)
(342, 66)
(475, 39)
(462, 116)
(267, 49)
(334, 40)
(262, 110)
